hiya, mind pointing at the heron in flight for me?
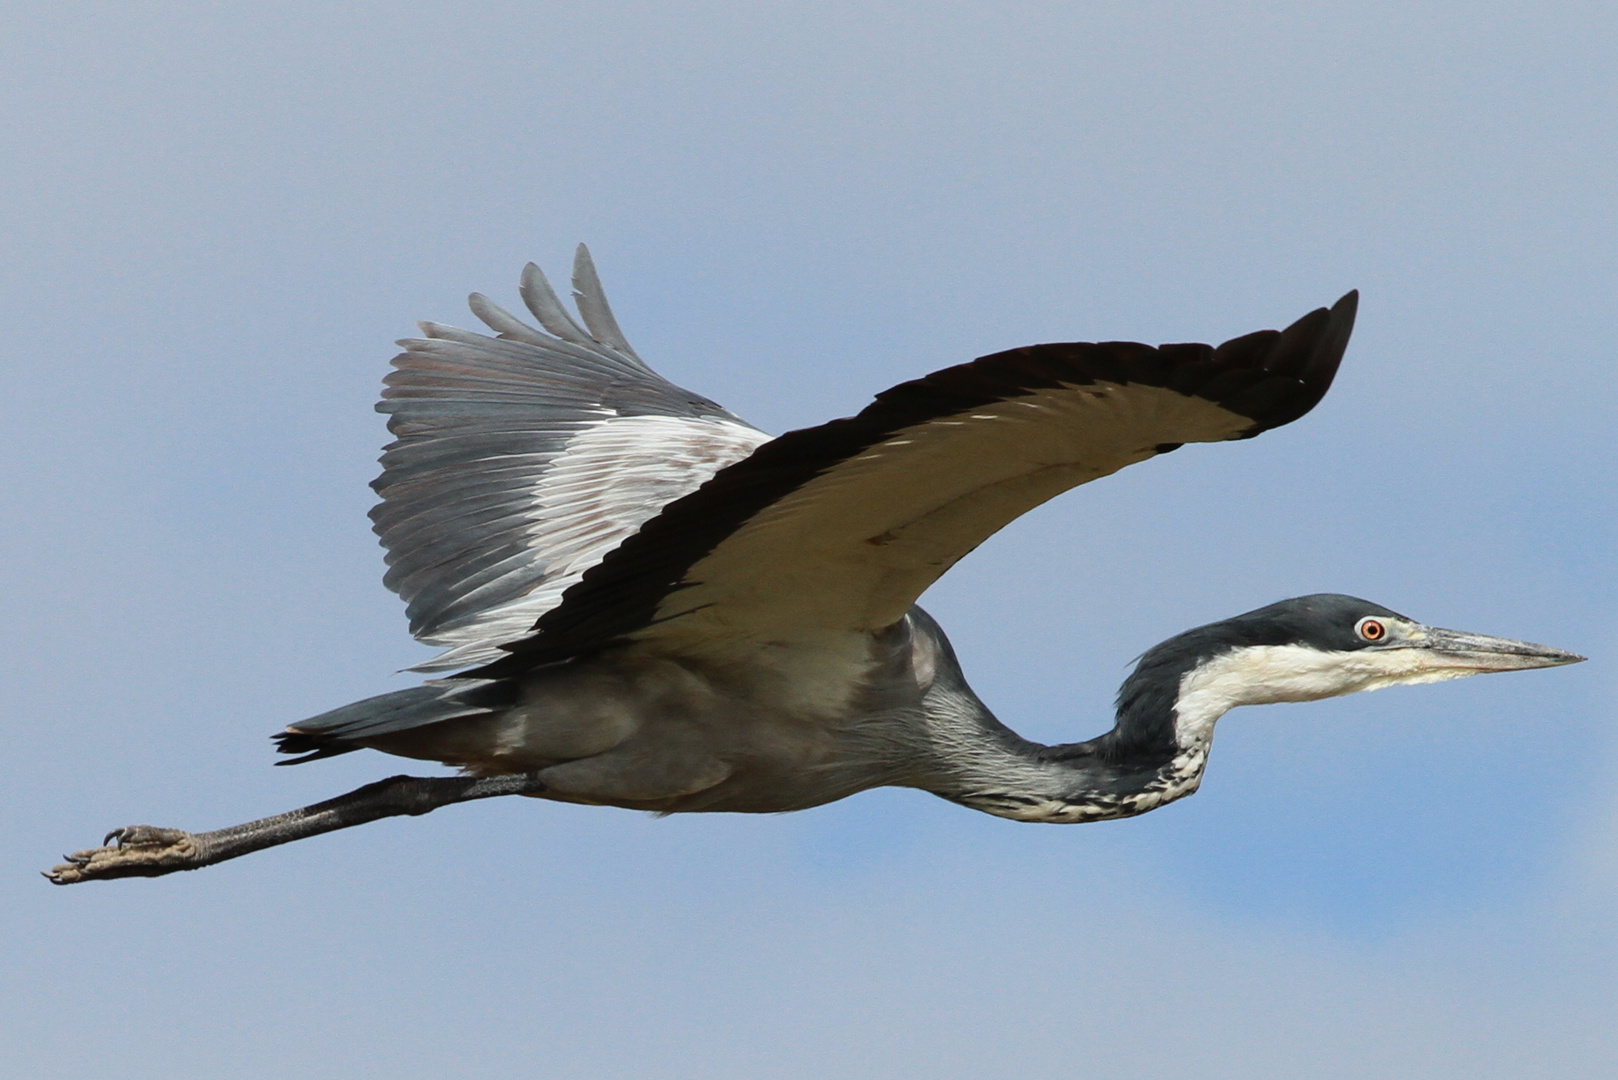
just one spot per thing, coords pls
(644, 601)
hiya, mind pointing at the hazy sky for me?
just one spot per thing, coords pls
(214, 220)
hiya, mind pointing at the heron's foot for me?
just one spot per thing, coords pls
(133, 851)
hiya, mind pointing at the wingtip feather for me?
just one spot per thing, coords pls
(542, 300)
(591, 300)
(1333, 342)
(504, 323)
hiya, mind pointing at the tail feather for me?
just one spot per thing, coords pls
(339, 731)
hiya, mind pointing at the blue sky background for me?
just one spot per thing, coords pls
(216, 218)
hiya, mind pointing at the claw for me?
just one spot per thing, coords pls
(132, 851)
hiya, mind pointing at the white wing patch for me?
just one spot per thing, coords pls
(602, 488)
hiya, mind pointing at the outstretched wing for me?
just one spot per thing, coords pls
(837, 529)
(522, 459)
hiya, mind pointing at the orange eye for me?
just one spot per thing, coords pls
(1371, 630)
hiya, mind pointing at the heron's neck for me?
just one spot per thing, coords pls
(1153, 755)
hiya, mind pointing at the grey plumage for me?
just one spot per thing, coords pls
(476, 547)
(593, 307)
(418, 706)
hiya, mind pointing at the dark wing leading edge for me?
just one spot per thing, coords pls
(522, 459)
(839, 528)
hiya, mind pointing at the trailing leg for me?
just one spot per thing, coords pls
(147, 851)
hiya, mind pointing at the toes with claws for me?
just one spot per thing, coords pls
(133, 851)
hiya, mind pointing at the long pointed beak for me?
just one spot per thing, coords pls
(1478, 653)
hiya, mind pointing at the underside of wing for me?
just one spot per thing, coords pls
(521, 460)
(839, 528)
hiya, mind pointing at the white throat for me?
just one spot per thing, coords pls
(1267, 674)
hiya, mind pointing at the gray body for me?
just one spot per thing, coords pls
(673, 735)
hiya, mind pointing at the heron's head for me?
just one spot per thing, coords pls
(1308, 648)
